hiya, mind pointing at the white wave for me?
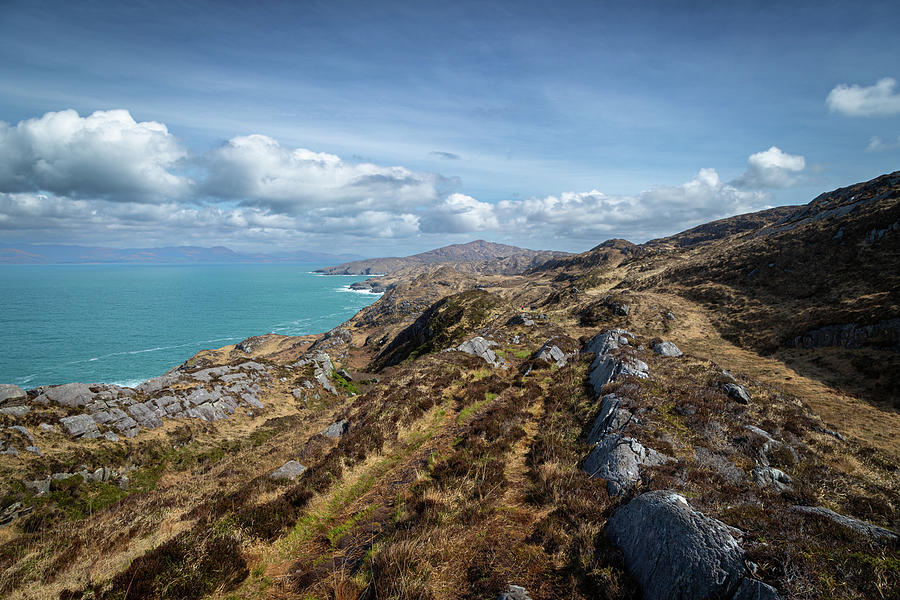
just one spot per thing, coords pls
(347, 288)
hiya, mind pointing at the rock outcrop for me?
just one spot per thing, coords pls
(618, 460)
(612, 418)
(480, 347)
(868, 530)
(11, 393)
(609, 364)
(290, 471)
(678, 553)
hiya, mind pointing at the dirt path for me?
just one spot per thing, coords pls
(694, 333)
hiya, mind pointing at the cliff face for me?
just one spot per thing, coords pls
(709, 415)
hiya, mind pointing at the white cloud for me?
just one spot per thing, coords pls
(879, 144)
(594, 216)
(108, 180)
(772, 168)
(107, 154)
(258, 171)
(865, 101)
(459, 213)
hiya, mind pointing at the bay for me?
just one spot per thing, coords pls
(126, 323)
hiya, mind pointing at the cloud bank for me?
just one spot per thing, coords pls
(108, 179)
(865, 101)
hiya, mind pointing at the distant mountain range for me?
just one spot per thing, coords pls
(479, 250)
(23, 254)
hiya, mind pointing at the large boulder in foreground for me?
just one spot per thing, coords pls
(678, 553)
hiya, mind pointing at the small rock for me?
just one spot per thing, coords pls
(33, 450)
(10, 451)
(290, 470)
(737, 392)
(112, 437)
(47, 427)
(861, 527)
(670, 316)
(667, 349)
(343, 373)
(766, 477)
(336, 429)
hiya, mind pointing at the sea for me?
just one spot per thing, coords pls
(125, 323)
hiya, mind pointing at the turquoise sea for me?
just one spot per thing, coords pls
(126, 323)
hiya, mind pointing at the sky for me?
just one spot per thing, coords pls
(386, 128)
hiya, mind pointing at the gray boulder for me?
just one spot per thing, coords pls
(80, 426)
(478, 346)
(290, 471)
(15, 411)
(618, 460)
(38, 486)
(606, 367)
(336, 429)
(667, 349)
(861, 527)
(770, 477)
(73, 395)
(11, 393)
(678, 553)
(611, 418)
(144, 415)
(552, 354)
(737, 392)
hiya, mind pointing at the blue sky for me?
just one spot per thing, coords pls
(387, 128)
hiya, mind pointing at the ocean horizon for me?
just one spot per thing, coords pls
(126, 323)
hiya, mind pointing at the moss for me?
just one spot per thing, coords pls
(348, 387)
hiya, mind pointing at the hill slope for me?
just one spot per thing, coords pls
(633, 421)
(517, 259)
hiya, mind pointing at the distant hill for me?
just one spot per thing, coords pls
(62, 254)
(478, 250)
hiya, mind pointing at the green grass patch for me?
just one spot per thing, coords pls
(521, 354)
(473, 408)
(348, 387)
